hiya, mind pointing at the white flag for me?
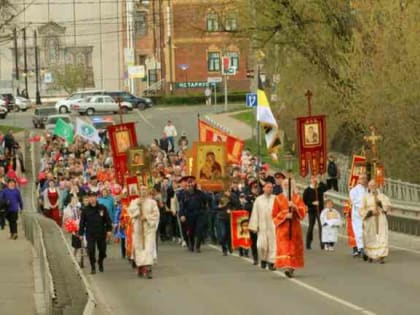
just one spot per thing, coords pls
(87, 131)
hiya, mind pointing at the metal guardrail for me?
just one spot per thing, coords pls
(397, 190)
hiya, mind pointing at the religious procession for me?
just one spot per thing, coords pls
(110, 190)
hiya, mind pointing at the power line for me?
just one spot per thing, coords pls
(17, 14)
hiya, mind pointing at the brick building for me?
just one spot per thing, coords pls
(203, 32)
(181, 43)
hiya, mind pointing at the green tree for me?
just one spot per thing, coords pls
(71, 77)
(362, 61)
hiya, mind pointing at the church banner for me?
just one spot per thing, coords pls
(239, 220)
(122, 137)
(312, 144)
(358, 167)
(234, 146)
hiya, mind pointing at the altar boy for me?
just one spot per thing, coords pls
(331, 222)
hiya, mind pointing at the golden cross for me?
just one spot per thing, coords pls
(373, 138)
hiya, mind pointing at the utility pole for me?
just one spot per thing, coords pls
(16, 61)
(169, 21)
(25, 60)
(38, 96)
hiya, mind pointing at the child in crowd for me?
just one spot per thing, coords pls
(331, 222)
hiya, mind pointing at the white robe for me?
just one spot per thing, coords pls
(262, 222)
(375, 228)
(330, 221)
(357, 194)
(144, 232)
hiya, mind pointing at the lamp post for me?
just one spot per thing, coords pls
(184, 67)
(38, 95)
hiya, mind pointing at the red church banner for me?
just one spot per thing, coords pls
(122, 137)
(234, 146)
(312, 144)
(358, 167)
(239, 220)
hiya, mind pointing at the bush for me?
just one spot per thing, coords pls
(196, 99)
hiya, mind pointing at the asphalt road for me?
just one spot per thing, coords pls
(149, 123)
(208, 283)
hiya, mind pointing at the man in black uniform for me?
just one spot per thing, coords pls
(313, 197)
(193, 208)
(97, 225)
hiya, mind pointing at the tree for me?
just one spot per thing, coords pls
(71, 77)
(362, 61)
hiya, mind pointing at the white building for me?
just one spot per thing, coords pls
(84, 32)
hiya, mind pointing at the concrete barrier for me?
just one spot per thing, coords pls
(64, 288)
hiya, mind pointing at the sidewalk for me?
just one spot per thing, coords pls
(16, 274)
(237, 128)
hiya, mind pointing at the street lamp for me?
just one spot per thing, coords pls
(184, 67)
(38, 95)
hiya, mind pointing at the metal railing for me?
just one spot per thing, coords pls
(396, 190)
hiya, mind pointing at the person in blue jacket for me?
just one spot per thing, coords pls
(12, 196)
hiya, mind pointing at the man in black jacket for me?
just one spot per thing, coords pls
(97, 225)
(313, 197)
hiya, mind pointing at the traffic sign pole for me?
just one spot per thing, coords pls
(226, 94)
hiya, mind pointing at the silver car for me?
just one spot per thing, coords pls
(52, 120)
(100, 103)
(22, 104)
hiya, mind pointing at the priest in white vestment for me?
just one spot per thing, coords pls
(357, 194)
(261, 222)
(145, 216)
(375, 224)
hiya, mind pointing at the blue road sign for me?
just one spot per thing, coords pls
(251, 100)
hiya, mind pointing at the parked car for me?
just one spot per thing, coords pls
(137, 102)
(52, 120)
(8, 100)
(22, 104)
(100, 103)
(3, 112)
(64, 106)
(41, 115)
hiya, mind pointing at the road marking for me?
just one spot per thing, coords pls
(310, 288)
(145, 119)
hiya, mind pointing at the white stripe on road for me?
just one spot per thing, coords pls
(312, 288)
(144, 119)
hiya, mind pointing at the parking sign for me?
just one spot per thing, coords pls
(251, 100)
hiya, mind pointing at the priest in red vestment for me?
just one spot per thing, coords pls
(287, 216)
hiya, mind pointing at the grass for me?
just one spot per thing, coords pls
(4, 129)
(246, 117)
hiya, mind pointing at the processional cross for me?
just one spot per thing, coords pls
(372, 140)
(309, 96)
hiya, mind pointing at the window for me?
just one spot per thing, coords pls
(234, 59)
(142, 60)
(231, 22)
(52, 50)
(140, 23)
(212, 22)
(153, 76)
(213, 61)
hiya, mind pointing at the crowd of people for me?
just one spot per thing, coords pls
(78, 190)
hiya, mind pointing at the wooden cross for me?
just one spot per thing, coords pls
(309, 96)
